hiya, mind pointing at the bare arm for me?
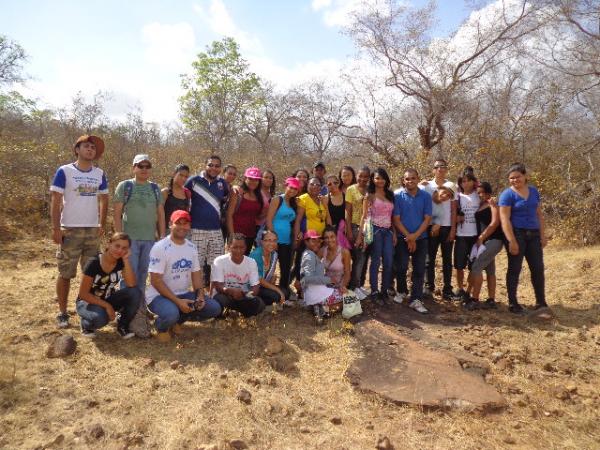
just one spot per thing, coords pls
(233, 198)
(453, 218)
(271, 212)
(348, 217)
(118, 216)
(55, 210)
(297, 222)
(513, 245)
(103, 205)
(128, 273)
(160, 213)
(540, 216)
(156, 279)
(492, 226)
(347, 261)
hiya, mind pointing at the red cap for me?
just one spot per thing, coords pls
(180, 214)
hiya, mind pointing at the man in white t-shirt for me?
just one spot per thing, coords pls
(173, 267)
(78, 211)
(445, 237)
(235, 279)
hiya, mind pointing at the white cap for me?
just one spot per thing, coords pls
(139, 158)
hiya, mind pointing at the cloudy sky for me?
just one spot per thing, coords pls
(137, 49)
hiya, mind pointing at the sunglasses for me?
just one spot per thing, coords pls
(216, 166)
(440, 167)
(144, 166)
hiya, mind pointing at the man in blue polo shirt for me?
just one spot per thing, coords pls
(412, 215)
(209, 191)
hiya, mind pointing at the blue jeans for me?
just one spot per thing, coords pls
(382, 248)
(418, 267)
(126, 301)
(530, 248)
(169, 314)
(140, 260)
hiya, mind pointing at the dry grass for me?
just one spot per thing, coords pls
(107, 380)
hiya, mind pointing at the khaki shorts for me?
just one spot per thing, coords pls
(78, 245)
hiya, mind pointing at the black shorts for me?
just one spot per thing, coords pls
(462, 250)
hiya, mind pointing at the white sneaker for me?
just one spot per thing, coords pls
(427, 292)
(360, 293)
(400, 298)
(417, 305)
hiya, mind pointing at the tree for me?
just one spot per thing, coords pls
(12, 57)
(219, 95)
(430, 71)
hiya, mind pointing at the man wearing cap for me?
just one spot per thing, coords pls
(78, 210)
(139, 212)
(446, 235)
(209, 191)
(319, 172)
(173, 267)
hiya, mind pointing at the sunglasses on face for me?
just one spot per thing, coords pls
(216, 166)
(144, 166)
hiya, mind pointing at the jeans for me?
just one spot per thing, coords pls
(247, 306)
(268, 296)
(140, 260)
(126, 301)
(169, 314)
(530, 247)
(298, 260)
(418, 267)
(434, 242)
(284, 254)
(382, 248)
(359, 260)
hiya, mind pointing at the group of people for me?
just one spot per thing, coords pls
(310, 243)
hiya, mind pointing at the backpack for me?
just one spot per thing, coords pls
(155, 188)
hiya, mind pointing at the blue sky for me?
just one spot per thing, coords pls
(137, 49)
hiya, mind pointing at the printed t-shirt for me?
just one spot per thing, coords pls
(207, 199)
(315, 214)
(445, 214)
(469, 204)
(523, 213)
(80, 190)
(103, 284)
(412, 209)
(238, 276)
(355, 198)
(139, 213)
(176, 263)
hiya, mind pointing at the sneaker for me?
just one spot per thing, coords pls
(460, 295)
(377, 298)
(361, 293)
(427, 292)
(471, 304)
(447, 294)
(163, 337)
(400, 298)
(90, 334)
(490, 303)
(517, 309)
(62, 320)
(418, 306)
(124, 332)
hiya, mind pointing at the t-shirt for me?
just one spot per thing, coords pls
(207, 199)
(282, 221)
(445, 213)
(176, 263)
(103, 284)
(315, 214)
(139, 213)
(355, 198)
(238, 276)
(523, 213)
(468, 204)
(80, 191)
(412, 209)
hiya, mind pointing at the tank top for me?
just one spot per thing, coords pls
(282, 221)
(244, 219)
(336, 212)
(335, 269)
(173, 204)
(381, 213)
(483, 217)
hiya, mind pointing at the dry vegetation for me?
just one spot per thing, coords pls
(548, 372)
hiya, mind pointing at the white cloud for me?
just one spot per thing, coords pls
(338, 13)
(317, 5)
(169, 45)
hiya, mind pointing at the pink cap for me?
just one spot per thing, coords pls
(312, 234)
(292, 182)
(253, 173)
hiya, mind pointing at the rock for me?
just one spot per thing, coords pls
(410, 373)
(304, 430)
(336, 420)
(383, 443)
(244, 396)
(496, 356)
(63, 345)
(509, 440)
(548, 367)
(237, 444)
(253, 381)
(96, 431)
(148, 363)
(175, 365)
(561, 393)
(370, 426)
(274, 346)
(223, 376)
(46, 264)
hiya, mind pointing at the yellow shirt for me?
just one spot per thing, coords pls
(355, 198)
(315, 214)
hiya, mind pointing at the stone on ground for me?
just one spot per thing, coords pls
(63, 345)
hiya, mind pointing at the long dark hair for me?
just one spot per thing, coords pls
(349, 169)
(257, 193)
(272, 188)
(178, 168)
(383, 174)
(304, 189)
(468, 173)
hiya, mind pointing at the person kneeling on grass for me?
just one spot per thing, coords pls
(265, 256)
(99, 293)
(174, 265)
(319, 292)
(235, 281)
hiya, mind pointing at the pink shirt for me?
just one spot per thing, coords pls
(381, 213)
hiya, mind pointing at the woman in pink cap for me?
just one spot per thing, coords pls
(280, 219)
(267, 190)
(245, 206)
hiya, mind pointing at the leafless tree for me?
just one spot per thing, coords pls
(12, 57)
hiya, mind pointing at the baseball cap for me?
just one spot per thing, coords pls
(98, 143)
(450, 186)
(180, 214)
(311, 234)
(292, 182)
(253, 173)
(319, 164)
(139, 158)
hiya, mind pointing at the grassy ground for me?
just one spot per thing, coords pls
(548, 371)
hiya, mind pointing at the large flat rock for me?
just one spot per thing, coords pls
(404, 371)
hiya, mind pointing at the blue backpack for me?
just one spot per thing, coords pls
(129, 188)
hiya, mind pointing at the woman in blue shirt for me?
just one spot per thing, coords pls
(523, 225)
(265, 256)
